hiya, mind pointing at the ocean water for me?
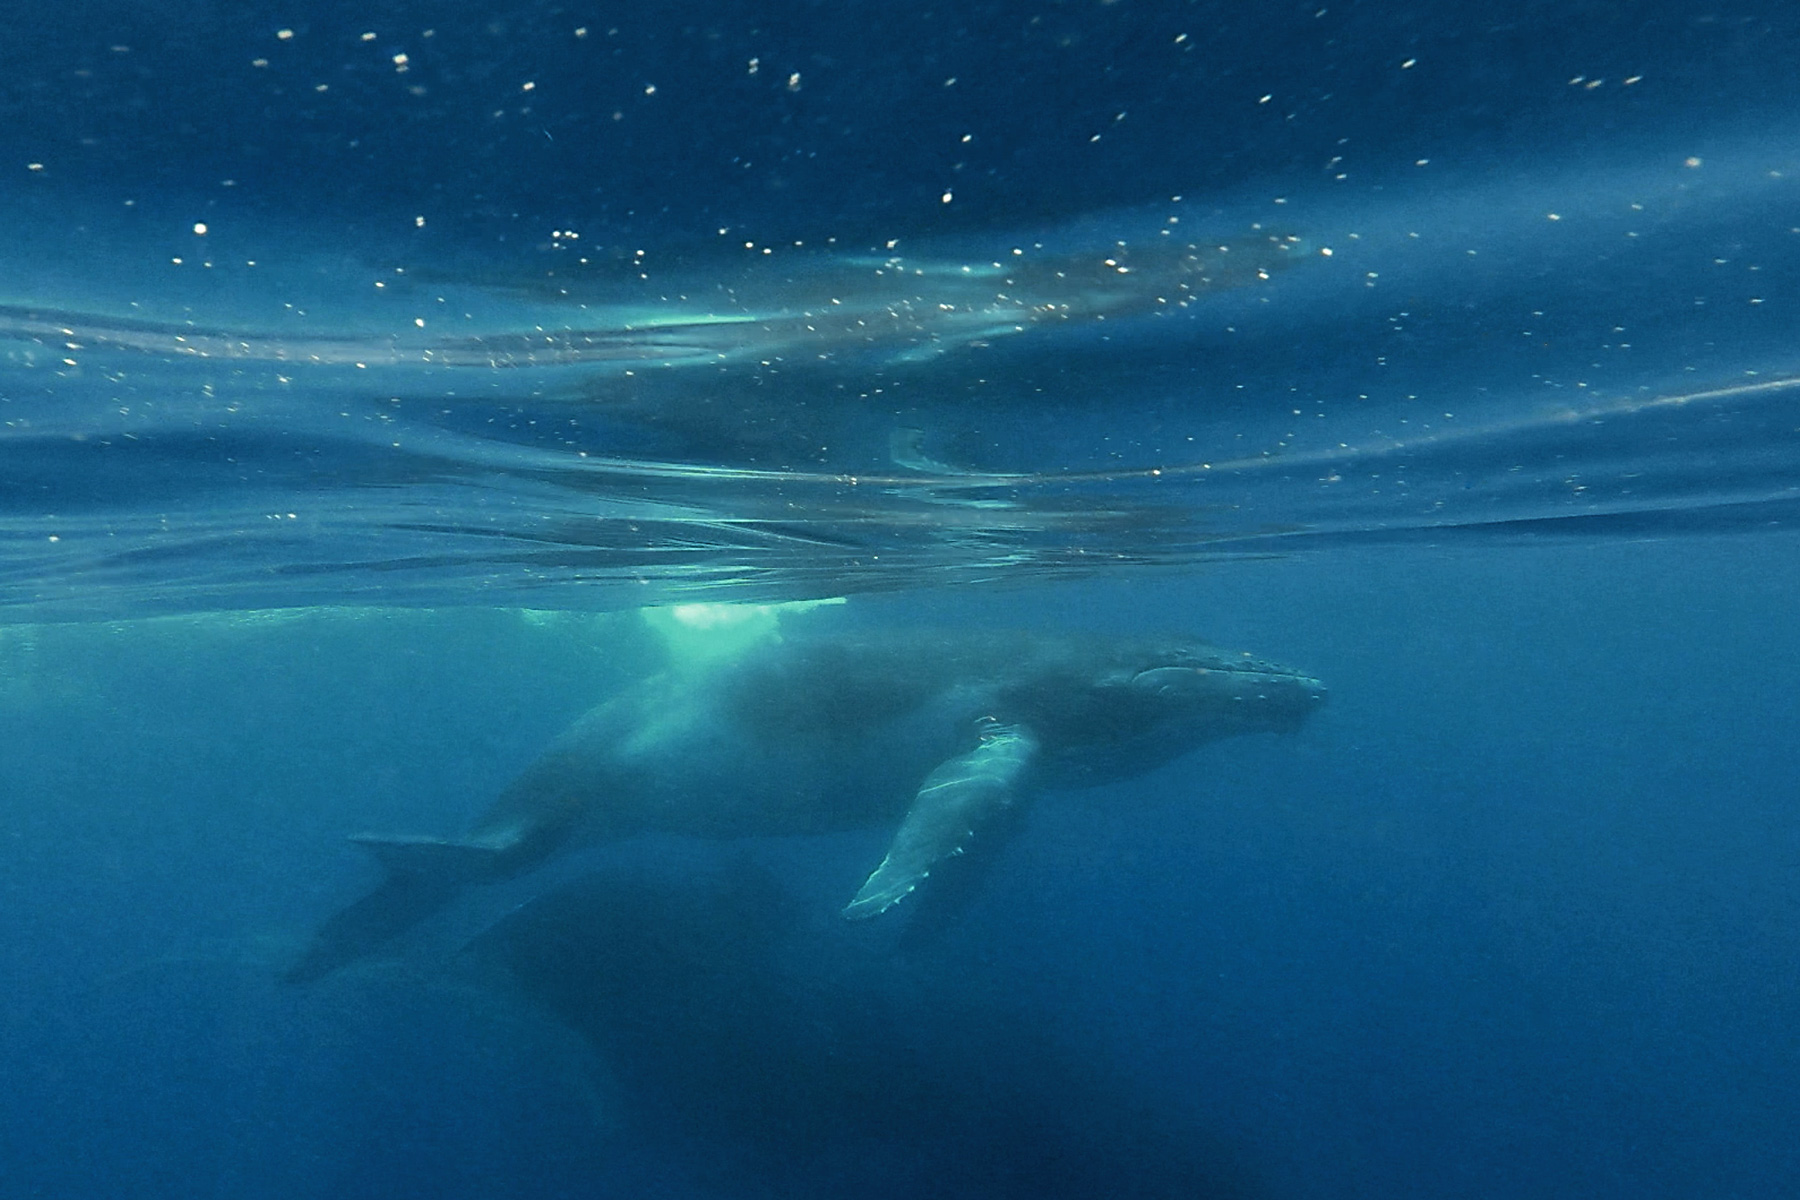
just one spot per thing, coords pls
(381, 391)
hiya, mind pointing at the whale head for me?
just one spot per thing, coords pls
(1154, 701)
(1219, 692)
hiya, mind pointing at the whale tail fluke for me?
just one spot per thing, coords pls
(423, 876)
(432, 858)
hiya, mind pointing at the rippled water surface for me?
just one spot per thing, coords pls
(1600, 347)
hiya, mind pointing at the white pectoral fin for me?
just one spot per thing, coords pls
(953, 803)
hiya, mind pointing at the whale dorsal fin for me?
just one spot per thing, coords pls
(953, 803)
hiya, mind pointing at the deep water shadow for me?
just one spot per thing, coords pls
(810, 1062)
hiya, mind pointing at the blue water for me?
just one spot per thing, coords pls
(362, 376)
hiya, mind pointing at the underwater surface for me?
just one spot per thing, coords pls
(499, 434)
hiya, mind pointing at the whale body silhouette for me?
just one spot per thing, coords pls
(941, 734)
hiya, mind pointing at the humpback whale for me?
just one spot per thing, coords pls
(940, 734)
(783, 1058)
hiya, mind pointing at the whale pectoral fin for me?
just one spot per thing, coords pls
(955, 801)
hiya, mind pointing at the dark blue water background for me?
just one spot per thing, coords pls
(1512, 470)
(1514, 916)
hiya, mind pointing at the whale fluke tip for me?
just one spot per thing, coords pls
(432, 858)
(423, 875)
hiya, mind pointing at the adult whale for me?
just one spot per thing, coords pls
(939, 732)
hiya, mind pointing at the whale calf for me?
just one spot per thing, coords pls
(939, 734)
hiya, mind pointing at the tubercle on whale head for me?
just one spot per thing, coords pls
(1194, 683)
(1308, 695)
